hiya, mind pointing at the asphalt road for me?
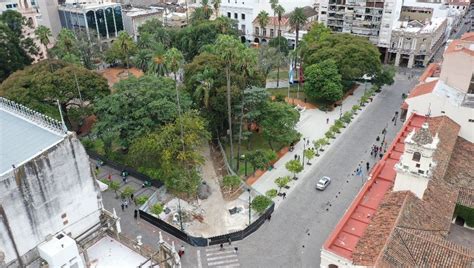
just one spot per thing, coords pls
(300, 226)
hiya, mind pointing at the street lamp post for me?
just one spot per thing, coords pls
(250, 211)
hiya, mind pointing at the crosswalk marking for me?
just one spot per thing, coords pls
(223, 258)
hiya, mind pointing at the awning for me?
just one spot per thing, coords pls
(102, 186)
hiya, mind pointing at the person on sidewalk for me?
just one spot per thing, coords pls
(229, 240)
(126, 203)
(222, 247)
(181, 251)
(368, 166)
(135, 214)
(123, 206)
(236, 250)
(327, 121)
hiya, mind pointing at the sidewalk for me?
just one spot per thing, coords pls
(312, 126)
(131, 228)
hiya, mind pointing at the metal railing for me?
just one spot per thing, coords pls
(33, 116)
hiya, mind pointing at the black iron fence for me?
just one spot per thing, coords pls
(131, 171)
(202, 241)
(192, 240)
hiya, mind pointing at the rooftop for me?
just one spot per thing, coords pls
(422, 89)
(351, 227)
(431, 72)
(24, 133)
(108, 252)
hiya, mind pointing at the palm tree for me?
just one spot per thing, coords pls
(262, 19)
(297, 20)
(216, 4)
(273, 5)
(142, 59)
(206, 8)
(279, 10)
(43, 33)
(127, 47)
(203, 90)
(230, 51)
(157, 63)
(174, 60)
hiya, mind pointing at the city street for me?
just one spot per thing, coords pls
(302, 223)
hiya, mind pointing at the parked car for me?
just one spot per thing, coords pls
(323, 183)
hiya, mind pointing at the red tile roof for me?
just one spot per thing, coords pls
(350, 228)
(469, 36)
(422, 89)
(432, 70)
(459, 45)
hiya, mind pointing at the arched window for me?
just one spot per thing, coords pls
(416, 157)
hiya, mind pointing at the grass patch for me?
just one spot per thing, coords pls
(283, 73)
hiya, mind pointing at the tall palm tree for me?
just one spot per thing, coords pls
(273, 5)
(174, 61)
(230, 51)
(206, 8)
(263, 19)
(142, 59)
(43, 34)
(203, 90)
(157, 65)
(127, 47)
(279, 10)
(216, 4)
(297, 20)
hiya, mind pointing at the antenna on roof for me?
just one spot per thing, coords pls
(62, 118)
(429, 110)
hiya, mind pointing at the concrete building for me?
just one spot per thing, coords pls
(270, 31)
(47, 185)
(414, 43)
(448, 88)
(104, 19)
(356, 17)
(8, 5)
(404, 216)
(133, 18)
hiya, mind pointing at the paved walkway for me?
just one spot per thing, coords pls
(131, 227)
(309, 118)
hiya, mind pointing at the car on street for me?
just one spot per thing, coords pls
(323, 183)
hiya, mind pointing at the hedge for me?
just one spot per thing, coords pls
(466, 213)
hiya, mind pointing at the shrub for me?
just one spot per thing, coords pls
(128, 191)
(282, 181)
(339, 123)
(260, 203)
(347, 117)
(334, 129)
(115, 186)
(329, 134)
(156, 209)
(355, 108)
(231, 181)
(280, 98)
(294, 166)
(106, 181)
(272, 193)
(141, 200)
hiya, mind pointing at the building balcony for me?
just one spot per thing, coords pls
(468, 101)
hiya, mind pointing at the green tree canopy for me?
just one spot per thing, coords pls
(139, 106)
(259, 159)
(278, 123)
(15, 48)
(161, 153)
(39, 88)
(294, 166)
(78, 45)
(261, 203)
(354, 56)
(323, 82)
(281, 42)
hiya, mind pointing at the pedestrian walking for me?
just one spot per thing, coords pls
(131, 197)
(368, 166)
(222, 247)
(229, 240)
(236, 250)
(304, 100)
(327, 121)
(269, 217)
(181, 251)
(380, 155)
(284, 195)
(378, 138)
(123, 206)
(109, 177)
(296, 156)
(135, 214)
(126, 204)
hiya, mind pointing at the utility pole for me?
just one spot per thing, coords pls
(250, 211)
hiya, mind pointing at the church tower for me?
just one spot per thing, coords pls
(416, 163)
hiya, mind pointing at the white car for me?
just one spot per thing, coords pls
(323, 183)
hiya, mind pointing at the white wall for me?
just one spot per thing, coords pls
(328, 258)
(416, 185)
(435, 103)
(36, 195)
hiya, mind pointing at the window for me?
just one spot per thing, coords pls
(9, 6)
(421, 171)
(416, 157)
(229, 14)
(271, 33)
(257, 31)
(236, 16)
(264, 32)
(417, 165)
(242, 16)
(242, 27)
(471, 120)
